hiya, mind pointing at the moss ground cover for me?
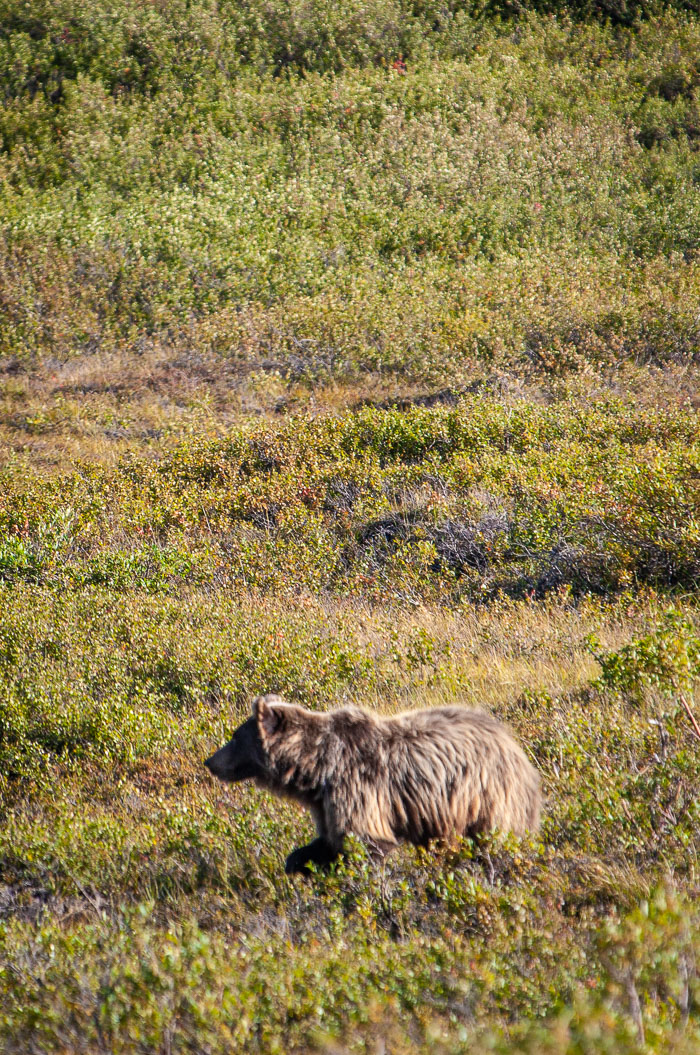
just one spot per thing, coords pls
(347, 351)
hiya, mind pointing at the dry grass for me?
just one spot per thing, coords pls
(98, 407)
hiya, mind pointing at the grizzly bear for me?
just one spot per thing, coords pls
(416, 776)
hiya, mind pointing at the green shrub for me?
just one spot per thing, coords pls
(667, 659)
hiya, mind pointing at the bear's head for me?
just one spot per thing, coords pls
(250, 753)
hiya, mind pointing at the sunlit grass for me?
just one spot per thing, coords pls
(347, 351)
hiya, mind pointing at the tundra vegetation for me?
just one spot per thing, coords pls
(350, 351)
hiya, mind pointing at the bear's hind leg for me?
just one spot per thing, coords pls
(319, 852)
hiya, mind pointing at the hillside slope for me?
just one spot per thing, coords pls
(347, 351)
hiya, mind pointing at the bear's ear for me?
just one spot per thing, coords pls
(269, 714)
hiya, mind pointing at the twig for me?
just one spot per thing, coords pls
(634, 1005)
(625, 979)
(696, 727)
(97, 902)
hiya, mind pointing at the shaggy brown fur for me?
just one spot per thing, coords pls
(415, 776)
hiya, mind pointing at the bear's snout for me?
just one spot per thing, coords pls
(218, 764)
(241, 758)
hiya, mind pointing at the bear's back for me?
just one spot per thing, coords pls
(449, 724)
(459, 769)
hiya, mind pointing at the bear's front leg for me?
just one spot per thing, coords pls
(319, 852)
